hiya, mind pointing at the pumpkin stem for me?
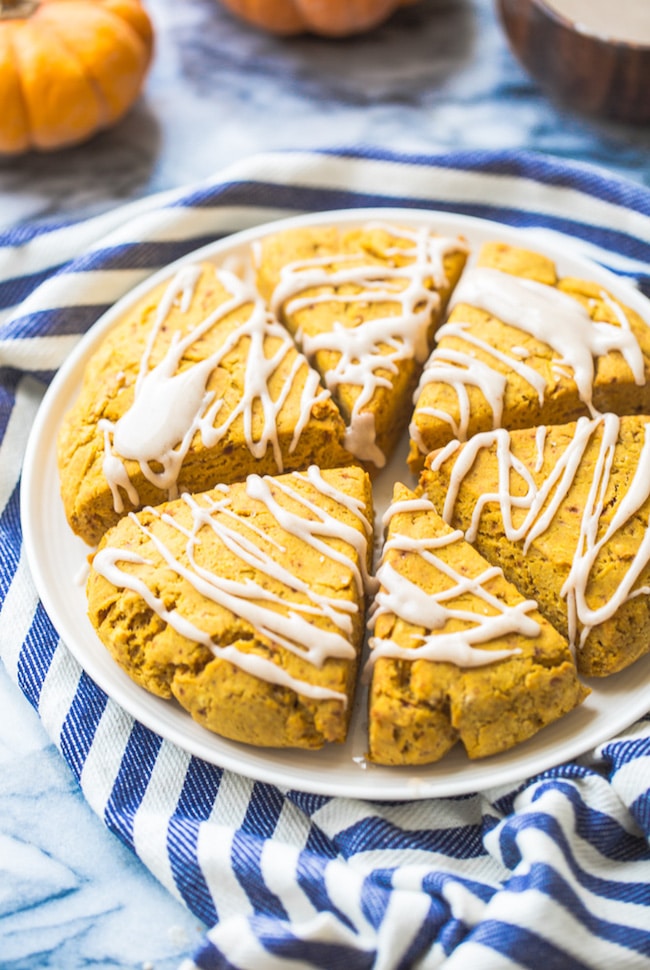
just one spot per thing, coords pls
(17, 9)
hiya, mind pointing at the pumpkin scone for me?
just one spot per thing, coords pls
(565, 511)
(523, 347)
(457, 653)
(363, 304)
(196, 385)
(245, 603)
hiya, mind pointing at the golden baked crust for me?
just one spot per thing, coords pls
(269, 413)
(487, 373)
(565, 511)
(453, 689)
(243, 602)
(364, 304)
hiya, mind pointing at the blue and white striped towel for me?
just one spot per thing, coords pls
(553, 872)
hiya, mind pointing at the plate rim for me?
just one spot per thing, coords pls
(131, 697)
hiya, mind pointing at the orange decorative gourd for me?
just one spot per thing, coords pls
(68, 68)
(330, 18)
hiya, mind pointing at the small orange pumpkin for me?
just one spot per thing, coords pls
(330, 18)
(68, 68)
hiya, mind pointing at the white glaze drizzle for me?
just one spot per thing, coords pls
(556, 319)
(292, 625)
(412, 604)
(375, 344)
(541, 502)
(170, 405)
(544, 312)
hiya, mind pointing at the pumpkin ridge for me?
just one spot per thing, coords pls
(21, 87)
(101, 101)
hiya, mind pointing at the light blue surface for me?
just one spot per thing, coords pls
(439, 76)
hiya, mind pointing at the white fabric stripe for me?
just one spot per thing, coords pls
(338, 815)
(464, 904)
(182, 223)
(539, 848)
(632, 779)
(279, 865)
(12, 448)
(446, 184)
(213, 851)
(215, 844)
(58, 691)
(151, 821)
(61, 245)
(345, 887)
(242, 950)
(104, 758)
(549, 919)
(592, 789)
(471, 956)
(37, 353)
(405, 914)
(91, 288)
(17, 616)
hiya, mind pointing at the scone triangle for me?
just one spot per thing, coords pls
(565, 510)
(195, 385)
(457, 652)
(522, 347)
(245, 603)
(363, 304)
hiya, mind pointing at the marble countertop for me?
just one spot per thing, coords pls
(439, 76)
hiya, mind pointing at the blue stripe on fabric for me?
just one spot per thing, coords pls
(80, 725)
(462, 842)
(200, 789)
(14, 291)
(36, 655)
(246, 856)
(311, 877)
(11, 532)
(625, 891)
(138, 255)
(518, 164)
(283, 944)
(433, 928)
(308, 199)
(544, 879)
(264, 809)
(375, 896)
(138, 762)
(194, 806)
(182, 849)
(522, 946)
(9, 381)
(600, 829)
(61, 321)
(18, 236)
(434, 883)
(209, 957)
(308, 803)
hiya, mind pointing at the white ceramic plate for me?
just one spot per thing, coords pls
(56, 558)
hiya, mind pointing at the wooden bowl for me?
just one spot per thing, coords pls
(593, 64)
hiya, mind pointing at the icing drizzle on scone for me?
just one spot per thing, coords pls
(369, 352)
(536, 508)
(172, 404)
(435, 611)
(539, 310)
(287, 610)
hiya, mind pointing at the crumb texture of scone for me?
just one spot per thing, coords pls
(565, 511)
(457, 653)
(245, 603)
(363, 304)
(522, 347)
(196, 385)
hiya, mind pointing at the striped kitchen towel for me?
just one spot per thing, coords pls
(553, 871)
